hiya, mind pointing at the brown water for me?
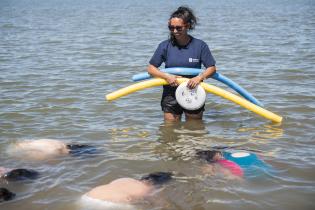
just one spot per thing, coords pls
(58, 59)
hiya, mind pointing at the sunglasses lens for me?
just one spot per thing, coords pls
(171, 28)
(178, 28)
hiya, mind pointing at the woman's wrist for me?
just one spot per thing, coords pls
(201, 76)
(167, 76)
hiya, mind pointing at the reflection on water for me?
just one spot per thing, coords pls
(172, 131)
(178, 140)
(263, 133)
(118, 134)
(183, 138)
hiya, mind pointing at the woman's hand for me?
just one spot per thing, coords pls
(172, 81)
(193, 82)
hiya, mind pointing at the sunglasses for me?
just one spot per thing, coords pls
(178, 28)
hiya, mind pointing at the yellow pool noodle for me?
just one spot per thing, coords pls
(209, 88)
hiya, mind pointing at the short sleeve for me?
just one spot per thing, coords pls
(206, 56)
(159, 55)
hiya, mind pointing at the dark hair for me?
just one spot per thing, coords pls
(187, 15)
(20, 174)
(6, 195)
(157, 178)
(207, 155)
(81, 149)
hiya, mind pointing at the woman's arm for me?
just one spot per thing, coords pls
(193, 82)
(155, 72)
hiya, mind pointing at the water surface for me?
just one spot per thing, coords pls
(58, 59)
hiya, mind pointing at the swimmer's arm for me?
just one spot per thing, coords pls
(208, 169)
(155, 72)
(193, 82)
(229, 175)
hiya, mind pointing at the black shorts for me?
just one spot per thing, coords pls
(170, 105)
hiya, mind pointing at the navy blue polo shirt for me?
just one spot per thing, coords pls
(195, 53)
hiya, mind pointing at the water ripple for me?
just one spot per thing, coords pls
(59, 59)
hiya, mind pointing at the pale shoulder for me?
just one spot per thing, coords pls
(40, 148)
(118, 185)
(41, 142)
(121, 190)
(126, 181)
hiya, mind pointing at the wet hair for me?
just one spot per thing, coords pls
(81, 149)
(6, 195)
(207, 155)
(20, 174)
(187, 15)
(157, 178)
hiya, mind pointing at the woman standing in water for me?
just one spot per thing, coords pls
(181, 50)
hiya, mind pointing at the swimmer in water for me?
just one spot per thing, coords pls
(18, 174)
(5, 194)
(217, 163)
(127, 190)
(43, 149)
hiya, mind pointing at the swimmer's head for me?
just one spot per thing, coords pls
(81, 149)
(210, 156)
(20, 174)
(6, 195)
(157, 178)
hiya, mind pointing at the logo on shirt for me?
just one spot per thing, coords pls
(193, 60)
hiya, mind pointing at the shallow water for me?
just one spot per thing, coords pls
(59, 58)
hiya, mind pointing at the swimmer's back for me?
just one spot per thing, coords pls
(49, 146)
(123, 190)
(41, 149)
